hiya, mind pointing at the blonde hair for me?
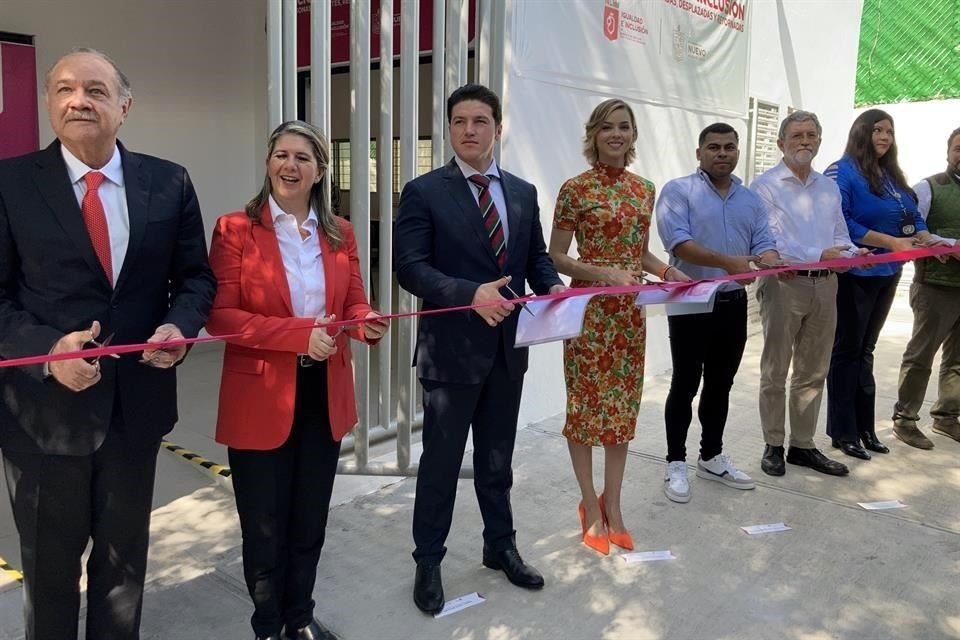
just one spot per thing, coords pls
(328, 222)
(595, 123)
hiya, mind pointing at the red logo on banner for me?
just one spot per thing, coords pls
(611, 19)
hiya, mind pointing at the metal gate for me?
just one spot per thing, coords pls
(386, 385)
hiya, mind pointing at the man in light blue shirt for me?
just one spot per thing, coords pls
(712, 226)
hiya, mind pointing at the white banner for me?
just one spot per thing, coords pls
(691, 54)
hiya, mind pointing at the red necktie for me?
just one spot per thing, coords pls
(96, 219)
(491, 218)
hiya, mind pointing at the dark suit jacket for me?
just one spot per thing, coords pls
(443, 255)
(51, 284)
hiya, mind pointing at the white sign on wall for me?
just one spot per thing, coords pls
(685, 53)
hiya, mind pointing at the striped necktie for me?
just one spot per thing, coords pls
(491, 218)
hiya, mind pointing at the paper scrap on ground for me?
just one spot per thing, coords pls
(755, 529)
(647, 556)
(883, 504)
(461, 603)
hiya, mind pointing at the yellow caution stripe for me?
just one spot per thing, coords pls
(197, 459)
(10, 571)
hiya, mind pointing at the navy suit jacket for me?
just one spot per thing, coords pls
(51, 283)
(443, 255)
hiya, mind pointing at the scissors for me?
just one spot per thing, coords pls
(522, 304)
(93, 344)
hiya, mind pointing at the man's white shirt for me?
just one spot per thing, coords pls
(805, 217)
(112, 194)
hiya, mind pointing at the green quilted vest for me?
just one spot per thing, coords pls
(943, 220)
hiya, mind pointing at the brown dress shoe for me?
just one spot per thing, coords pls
(949, 429)
(911, 435)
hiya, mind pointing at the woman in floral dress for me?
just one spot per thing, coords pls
(608, 209)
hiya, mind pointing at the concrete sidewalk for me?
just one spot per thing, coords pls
(841, 572)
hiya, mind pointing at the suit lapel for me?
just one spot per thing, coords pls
(514, 209)
(53, 183)
(136, 184)
(459, 190)
(265, 237)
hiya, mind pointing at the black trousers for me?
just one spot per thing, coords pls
(863, 303)
(707, 345)
(59, 504)
(283, 496)
(449, 410)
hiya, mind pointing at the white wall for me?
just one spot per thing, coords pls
(198, 70)
(803, 54)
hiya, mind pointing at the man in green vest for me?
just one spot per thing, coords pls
(935, 300)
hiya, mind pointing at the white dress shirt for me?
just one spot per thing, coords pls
(805, 217)
(112, 194)
(496, 190)
(924, 200)
(301, 260)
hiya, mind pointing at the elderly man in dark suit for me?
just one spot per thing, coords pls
(464, 232)
(95, 241)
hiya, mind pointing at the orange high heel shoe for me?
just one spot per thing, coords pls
(622, 540)
(599, 544)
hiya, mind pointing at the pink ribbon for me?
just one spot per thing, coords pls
(843, 263)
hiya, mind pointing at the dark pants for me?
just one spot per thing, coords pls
(283, 496)
(59, 504)
(449, 410)
(863, 303)
(707, 345)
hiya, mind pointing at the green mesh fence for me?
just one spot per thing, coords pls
(909, 51)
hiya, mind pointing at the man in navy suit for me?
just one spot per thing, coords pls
(464, 232)
(94, 241)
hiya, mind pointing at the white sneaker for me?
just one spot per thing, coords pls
(675, 483)
(722, 469)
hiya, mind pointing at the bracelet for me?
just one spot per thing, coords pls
(662, 274)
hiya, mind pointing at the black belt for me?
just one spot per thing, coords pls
(817, 273)
(304, 361)
(732, 296)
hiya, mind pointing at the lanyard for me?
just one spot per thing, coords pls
(908, 222)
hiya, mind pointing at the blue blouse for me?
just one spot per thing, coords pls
(865, 211)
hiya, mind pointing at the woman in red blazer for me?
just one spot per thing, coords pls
(285, 264)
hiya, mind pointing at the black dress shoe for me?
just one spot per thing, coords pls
(313, 631)
(272, 636)
(772, 461)
(871, 442)
(815, 459)
(852, 449)
(428, 588)
(517, 571)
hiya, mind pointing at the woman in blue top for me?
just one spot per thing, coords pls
(881, 212)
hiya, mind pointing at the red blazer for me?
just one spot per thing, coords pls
(258, 384)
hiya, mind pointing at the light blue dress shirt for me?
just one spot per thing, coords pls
(691, 208)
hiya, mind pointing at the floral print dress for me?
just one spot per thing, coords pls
(609, 210)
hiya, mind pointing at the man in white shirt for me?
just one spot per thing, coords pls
(936, 314)
(798, 310)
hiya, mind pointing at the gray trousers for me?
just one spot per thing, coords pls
(799, 318)
(936, 322)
